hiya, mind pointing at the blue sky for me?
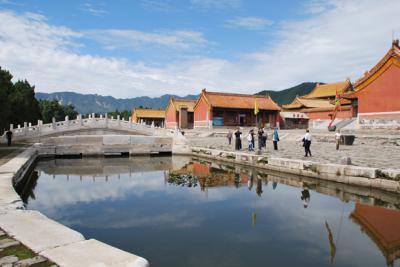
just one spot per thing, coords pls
(151, 47)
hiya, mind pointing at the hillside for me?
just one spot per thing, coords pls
(88, 103)
(286, 96)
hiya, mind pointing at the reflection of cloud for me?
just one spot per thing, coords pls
(59, 192)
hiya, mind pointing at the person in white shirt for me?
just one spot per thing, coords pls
(338, 138)
(307, 143)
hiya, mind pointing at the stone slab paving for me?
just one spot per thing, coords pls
(93, 253)
(370, 152)
(47, 233)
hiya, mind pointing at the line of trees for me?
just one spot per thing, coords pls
(18, 104)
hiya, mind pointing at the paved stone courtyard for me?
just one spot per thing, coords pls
(373, 150)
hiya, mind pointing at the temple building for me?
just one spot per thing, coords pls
(382, 226)
(149, 116)
(179, 113)
(377, 93)
(319, 104)
(228, 109)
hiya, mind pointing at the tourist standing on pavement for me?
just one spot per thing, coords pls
(238, 140)
(265, 137)
(229, 136)
(260, 138)
(307, 143)
(9, 137)
(275, 138)
(338, 136)
(250, 141)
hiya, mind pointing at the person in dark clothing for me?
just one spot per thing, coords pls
(238, 140)
(9, 137)
(260, 139)
(307, 143)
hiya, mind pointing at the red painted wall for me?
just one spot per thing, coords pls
(134, 119)
(324, 115)
(383, 94)
(171, 118)
(200, 113)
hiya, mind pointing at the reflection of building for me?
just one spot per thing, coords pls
(149, 116)
(179, 113)
(382, 226)
(228, 109)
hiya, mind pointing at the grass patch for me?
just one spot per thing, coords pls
(20, 251)
(43, 264)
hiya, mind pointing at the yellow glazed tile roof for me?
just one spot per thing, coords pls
(300, 102)
(149, 113)
(328, 90)
(183, 103)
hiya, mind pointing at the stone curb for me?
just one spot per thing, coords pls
(384, 179)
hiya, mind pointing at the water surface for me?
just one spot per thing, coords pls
(184, 212)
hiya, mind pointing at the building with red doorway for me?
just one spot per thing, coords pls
(179, 113)
(228, 109)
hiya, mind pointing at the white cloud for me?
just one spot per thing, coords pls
(342, 41)
(158, 5)
(216, 4)
(115, 38)
(250, 23)
(96, 10)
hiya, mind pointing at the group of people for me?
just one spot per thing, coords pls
(262, 137)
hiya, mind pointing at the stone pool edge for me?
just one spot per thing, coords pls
(46, 237)
(372, 178)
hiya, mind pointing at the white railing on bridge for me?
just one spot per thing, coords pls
(29, 131)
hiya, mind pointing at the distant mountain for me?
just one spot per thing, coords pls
(88, 103)
(286, 96)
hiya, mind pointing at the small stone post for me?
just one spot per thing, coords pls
(53, 121)
(67, 120)
(11, 127)
(119, 120)
(106, 117)
(25, 127)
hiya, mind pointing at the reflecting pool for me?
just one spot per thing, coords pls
(181, 211)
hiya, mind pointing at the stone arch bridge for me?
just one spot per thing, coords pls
(98, 135)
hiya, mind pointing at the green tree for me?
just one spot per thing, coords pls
(24, 106)
(123, 114)
(50, 109)
(6, 87)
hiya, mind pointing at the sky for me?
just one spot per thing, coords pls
(130, 48)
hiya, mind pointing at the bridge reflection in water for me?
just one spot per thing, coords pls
(175, 210)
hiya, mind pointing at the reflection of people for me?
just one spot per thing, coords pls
(259, 190)
(331, 242)
(250, 181)
(9, 137)
(305, 196)
(274, 185)
(237, 180)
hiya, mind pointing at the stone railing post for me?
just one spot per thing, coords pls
(67, 121)
(93, 116)
(79, 119)
(11, 127)
(53, 121)
(25, 127)
(119, 120)
(30, 124)
(106, 117)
